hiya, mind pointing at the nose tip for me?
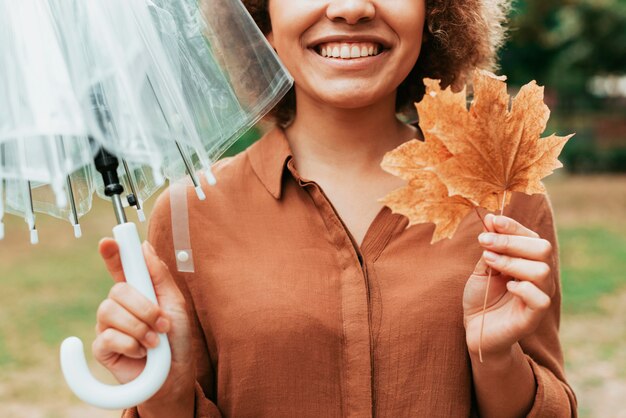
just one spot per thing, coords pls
(351, 11)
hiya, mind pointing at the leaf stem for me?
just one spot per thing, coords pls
(480, 217)
(482, 321)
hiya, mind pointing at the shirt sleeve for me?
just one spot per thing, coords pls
(554, 397)
(160, 236)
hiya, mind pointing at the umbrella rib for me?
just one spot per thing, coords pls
(131, 184)
(70, 192)
(31, 224)
(68, 181)
(183, 155)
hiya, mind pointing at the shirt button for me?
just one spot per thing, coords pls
(182, 256)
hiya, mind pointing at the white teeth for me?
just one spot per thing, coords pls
(348, 50)
(345, 51)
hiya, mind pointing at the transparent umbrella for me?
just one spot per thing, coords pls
(117, 95)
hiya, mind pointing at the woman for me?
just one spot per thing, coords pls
(309, 298)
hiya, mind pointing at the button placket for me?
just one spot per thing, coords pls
(358, 365)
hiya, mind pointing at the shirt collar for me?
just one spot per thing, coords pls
(268, 158)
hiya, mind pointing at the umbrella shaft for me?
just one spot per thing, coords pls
(119, 209)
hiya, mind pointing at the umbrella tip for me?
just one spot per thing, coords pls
(141, 215)
(61, 199)
(210, 178)
(200, 193)
(34, 236)
(78, 231)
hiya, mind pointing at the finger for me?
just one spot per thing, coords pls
(536, 272)
(140, 306)
(506, 225)
(112, 315)
(517, 246)
(533, 297)
(482, 269)
(112, 342)
(535, 304)
(164, 284)
(111, 255)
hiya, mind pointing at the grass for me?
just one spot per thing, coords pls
(593, 265)
(48, 292)
(590, 216)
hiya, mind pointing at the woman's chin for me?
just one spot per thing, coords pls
(350, 100)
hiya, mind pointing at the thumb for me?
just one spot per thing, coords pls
(164, 285)
(481, 269)
(110, 253)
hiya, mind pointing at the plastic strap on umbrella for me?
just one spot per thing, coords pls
(180, 227)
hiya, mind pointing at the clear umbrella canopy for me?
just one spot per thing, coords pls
(137, 90)
(159, 84)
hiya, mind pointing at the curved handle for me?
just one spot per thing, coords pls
(74, 365)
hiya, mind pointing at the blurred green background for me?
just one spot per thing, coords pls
(577, 49)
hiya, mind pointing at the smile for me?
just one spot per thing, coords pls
(347, 51)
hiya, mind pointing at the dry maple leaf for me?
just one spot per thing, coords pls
(413, 156)
(478, 155)
(425, 198)
(495, 150)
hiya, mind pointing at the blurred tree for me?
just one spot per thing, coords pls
(564, 43)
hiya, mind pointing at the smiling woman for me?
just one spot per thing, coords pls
(310, 298)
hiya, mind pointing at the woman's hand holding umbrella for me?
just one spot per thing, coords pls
(128, 323)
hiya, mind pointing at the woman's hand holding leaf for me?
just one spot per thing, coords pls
(521, 287)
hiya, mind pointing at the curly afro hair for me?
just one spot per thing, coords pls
(459, 36)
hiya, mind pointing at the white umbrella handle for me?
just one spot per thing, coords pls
(74, 365)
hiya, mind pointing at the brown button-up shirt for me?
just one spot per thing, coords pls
(293, 319)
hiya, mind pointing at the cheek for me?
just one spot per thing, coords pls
(408, 23)
(406, 16)
(290, 19)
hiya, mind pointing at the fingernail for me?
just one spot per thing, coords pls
(143, 352)
(152, 339)
(512, 284)
(163, 325)
(490, 256)
(486, 238)
(501, 222)
(108, 250)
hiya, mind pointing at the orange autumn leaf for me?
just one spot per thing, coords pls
(413, 156)
(474, 157)
(495, 150)
(425, 198)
